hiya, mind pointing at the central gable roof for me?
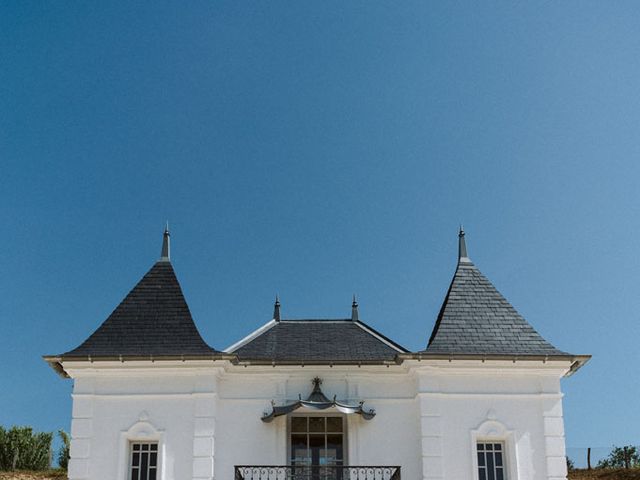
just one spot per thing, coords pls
(316, 341)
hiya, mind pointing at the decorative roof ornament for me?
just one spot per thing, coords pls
(165, 256)
(276, 309)
(462, 247)
(317, 400)
(354, 309)
(316, 393)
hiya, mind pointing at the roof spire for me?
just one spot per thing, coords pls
(165, 256)
(354, 309)
(462, 247)
(276, 309)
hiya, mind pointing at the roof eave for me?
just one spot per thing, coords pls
(577, 361)
(325, 362)
(56, 361)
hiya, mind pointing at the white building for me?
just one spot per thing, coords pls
(151, 400)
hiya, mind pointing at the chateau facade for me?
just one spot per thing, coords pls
(329, 399)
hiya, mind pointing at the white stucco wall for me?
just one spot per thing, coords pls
(245, 396)
(521, 406)
(206, 416)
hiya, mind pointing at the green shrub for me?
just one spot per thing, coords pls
(621, 457)
(63, 453)
(22, 449)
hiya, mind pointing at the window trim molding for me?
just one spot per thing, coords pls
(494, 431)
(142, 431)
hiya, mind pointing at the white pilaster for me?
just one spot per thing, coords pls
(81, 433)
(554, 439)
(431, 436)
(204, 436)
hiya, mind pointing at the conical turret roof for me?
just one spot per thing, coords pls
(153, 320)
(476, 319)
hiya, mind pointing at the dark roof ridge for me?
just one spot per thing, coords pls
(382, 337)
(436, 327)
(316, 320)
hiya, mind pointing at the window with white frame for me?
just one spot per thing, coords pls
(491, 461)
(143, 463)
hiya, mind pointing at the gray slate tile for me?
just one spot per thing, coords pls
(153, 319)
(476, 319)
(317, 340)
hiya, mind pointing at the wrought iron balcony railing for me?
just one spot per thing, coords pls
(325, 472)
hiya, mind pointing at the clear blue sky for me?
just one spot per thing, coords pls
(317, 149)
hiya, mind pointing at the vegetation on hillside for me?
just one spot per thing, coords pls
(63, 453)
(621, 457)
(22, 449)
(25, 475)
(605, 474)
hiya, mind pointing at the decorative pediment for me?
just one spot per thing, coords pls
(143, 429)
(492, 428)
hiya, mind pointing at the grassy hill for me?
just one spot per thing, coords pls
(633, 474)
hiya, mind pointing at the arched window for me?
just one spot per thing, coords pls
(141, 453)
(493, 452)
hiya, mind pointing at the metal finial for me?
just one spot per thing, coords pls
(276, 309)
(462, 245)
(165, 256)
(354, 309)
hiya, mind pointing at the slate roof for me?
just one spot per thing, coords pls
(476, 319)
(296, 341)
(152, 320)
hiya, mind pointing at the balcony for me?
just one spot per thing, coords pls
(325, 472)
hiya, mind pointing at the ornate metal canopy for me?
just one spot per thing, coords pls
(318, 401)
